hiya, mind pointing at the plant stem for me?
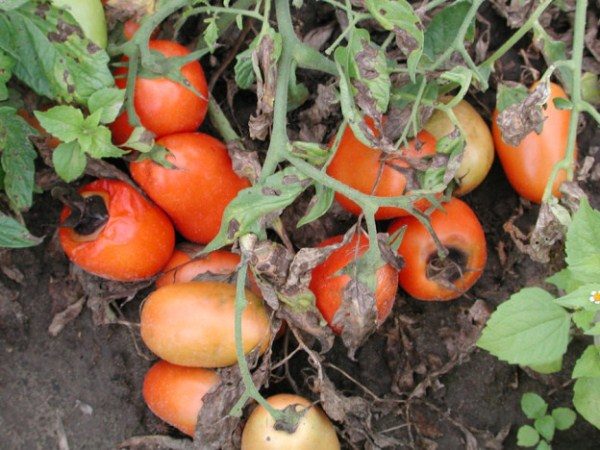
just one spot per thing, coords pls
(220, 122)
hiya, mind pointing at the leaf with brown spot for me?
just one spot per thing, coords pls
(245, 163)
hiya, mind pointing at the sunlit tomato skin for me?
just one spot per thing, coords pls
(164, 106)
(89, 14)
(314, 430)
(181, 268)
(357, 166)
(460, 232)
(196, 192)
(192, 324)
(328, 284)
(529, 165)
(478, 154)
(135, 243)
(175, 393)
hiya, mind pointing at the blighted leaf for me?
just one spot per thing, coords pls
(245, 164)
(516, 12)
(15, 235)
(586, 399)
(510, 94)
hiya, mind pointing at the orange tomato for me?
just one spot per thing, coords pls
(196, 192)
(175, 393)
(135, 243)
(328, 284)
(192, 324)
(460, 232)
(164, 106)
(529, 165)
(314, 430)
(182, 267)
(358, 166)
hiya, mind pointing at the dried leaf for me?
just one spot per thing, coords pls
(245, 163)
(516, 12)
(317, 37)
(61, 319)
(9, 268)
(263, 59)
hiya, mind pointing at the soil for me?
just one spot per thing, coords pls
(83, 387)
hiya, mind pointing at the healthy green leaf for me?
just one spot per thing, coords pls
(100, 144)
(583, 244)
(243, 70)
(109, 100)
(527, 436)
(580, 298)
(63, 122)
(7, 5)
(563, 279)
(69, 161)
(6, 65)
(545, 426)
(319, 205)
(543, 445)
(533, 405)
(15, 235)
(211, 33)
(584, 319)
(443, 29)
(590, 88)
(588, 364)
(527, 329)
(553, 51)
(140, 139)
(564, 418)
(17, 158)
(553, 367)
(586, 399)
(510, 95)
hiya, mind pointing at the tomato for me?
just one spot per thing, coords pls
(164, 106)
(181, 268)
(314, 430)
(89, 14)
(327, 283)
(529, 165)
(174, 393)
(192, 324)
(357, 165)
(196, 192)
(478, 154)
(135, 241)
(424, 276)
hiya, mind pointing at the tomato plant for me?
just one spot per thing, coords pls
(195, 193)
(528, 166)
(119, 235)
(478, 154)
(427, 277)
(164, 106)
(192, 324)
(174, 393)
(314, 429)
(371, 171)
(89, 14)
(329, 280)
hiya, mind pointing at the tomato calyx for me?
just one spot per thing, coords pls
(290, 419)
(89, 211)
(449, 269)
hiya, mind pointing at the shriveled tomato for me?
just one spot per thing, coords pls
(358, 166)
(314, 430)
(328, 283)
(175, 393)
(529, 165)
(89, 14)
(192, 324)
(424, 276)
(478, 155)
(196, 192)
(164, 106)
(182, 268)
(120, 236)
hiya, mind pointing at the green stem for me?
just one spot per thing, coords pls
(588, 108)
(220, 122)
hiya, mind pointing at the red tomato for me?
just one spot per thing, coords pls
(460, 232)
(182, 267)
(164, 106)
(357, 165)
(529, 165)
(328, 284)
(135, 243)
(196, 192)
(175, 393)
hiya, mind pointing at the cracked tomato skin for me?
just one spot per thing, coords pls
(164, 107)
(175, 393)
(529, 165)
(357, 166)
(197, 191)
(192, 324)
(458, 229)
(314, 430)
(328, 284)
(135, 243)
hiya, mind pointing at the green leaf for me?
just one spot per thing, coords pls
(314, 153)
(17, 158)
(543, 445)
(580, 298)
(588, 364)
(545, 426)
(528, 329)
(211, 33)
(443, 29)
(583, 244)
(62, 122)
(319, 205)
(69, 161)
(51, 56)
(590, 88)
(586, 399)
(108, 100)
(553, 51)
(243, 70)
(564, 418)
(584, 319)
(15, 235)
(297, 94)
(99, 145)
(7, 5)
(510, 95)
(533, 405)
(141, 140)
(553, 367)
(527, 436)
(6, 65)
(562, 103)
(564, 280)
